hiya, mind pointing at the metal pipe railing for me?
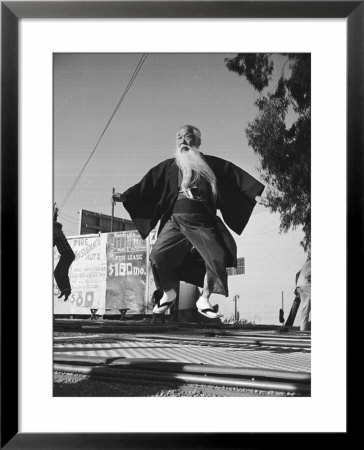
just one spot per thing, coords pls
(185, 378)
(172, 366)
(243, 340)
(258, 335)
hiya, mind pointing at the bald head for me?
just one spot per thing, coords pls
(190, 160)
(188, 137)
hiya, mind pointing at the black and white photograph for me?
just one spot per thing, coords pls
(182, 225)
(171, 174)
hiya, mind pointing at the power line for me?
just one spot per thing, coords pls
(68, 216)
(74, 222)
(68, 232)
(263, 232)
(139, 66)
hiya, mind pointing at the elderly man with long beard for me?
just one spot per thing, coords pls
(193, 244)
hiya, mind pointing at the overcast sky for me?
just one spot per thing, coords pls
(170, 90)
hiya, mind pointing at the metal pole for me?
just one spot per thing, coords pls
(178, 367)
(281, 312)
(55, 212)
(80, 221)
(235, 298)
(147, 275)
(112, 210)
(271, 385)
(272, 342)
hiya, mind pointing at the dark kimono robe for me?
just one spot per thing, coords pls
(153, 199)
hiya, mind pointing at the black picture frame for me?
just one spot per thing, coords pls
(11, 13)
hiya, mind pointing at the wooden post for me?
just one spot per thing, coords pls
(281, 312)
(236, 314)
(112, 210)
(55, 212)
(147, 275)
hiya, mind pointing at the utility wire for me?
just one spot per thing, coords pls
(68, 216)
(139, 66)
(263, 232)
(74, 222)
(69, 233)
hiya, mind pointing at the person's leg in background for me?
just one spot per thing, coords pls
(305, 296)
(61, 274)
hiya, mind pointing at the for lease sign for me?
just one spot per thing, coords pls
(126, 271)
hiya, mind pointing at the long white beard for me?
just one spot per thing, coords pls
(193, 167)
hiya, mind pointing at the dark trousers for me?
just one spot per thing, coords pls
(293, 312)
(61, 271)
(182, 235)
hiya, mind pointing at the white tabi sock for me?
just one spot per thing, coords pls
(168, 296)
(203, 303)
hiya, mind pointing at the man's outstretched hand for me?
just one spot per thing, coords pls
(117, 197)
(262, 200)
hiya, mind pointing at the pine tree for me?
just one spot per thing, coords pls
(284, 151)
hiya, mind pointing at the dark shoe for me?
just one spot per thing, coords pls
(66, 293)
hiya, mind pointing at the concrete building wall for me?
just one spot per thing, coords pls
(271, 263)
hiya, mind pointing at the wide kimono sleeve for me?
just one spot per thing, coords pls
(237, 192)
(144, 201)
